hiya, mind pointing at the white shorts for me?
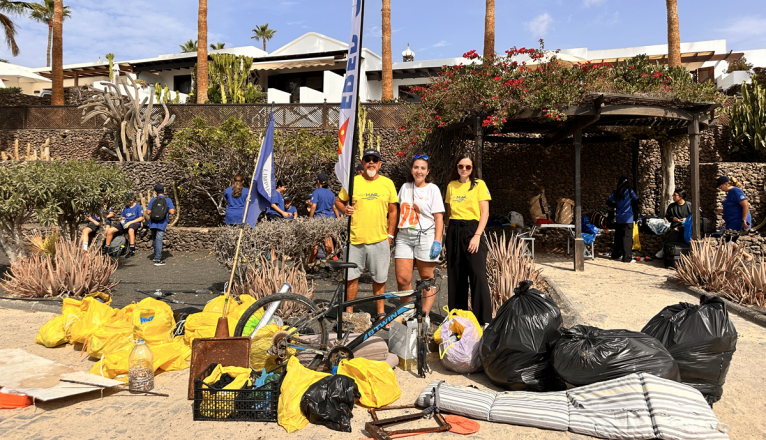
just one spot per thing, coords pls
(412, 244)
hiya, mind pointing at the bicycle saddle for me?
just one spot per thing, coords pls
(339, 265)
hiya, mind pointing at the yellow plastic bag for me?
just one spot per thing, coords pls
(102, 296)
(95, 314)
(114, 365)
(636, 239)
(376, 381)
(167, 357)
(297, 380)
(70, 307)
(462, 313)
(110, 337)
(158, 323)
(52, 333)
(260, 343)
(200, 325)
(222, 405)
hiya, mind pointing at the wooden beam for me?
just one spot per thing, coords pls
(577, 124)
(76, 79)
(579, 244)
(694, 169)
(645, 111)
(542, 141)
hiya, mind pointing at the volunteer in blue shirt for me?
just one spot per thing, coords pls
(735, 211)
(131, 218)
(323, 200)
(290, 209)
(235, 198)
(94, 222)
(158, 227)
(277, 209)
(623, 197)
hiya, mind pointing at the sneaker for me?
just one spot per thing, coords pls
(159, 263)
(631, 261)
(660, 255)
(130, 254)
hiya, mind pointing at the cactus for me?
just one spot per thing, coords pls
(747, 121)
(43, 154)
(110, 57)
(228, 77)
(157, 92)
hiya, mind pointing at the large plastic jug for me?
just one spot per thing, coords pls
(141, 368)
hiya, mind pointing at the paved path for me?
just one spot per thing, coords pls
(612, 294)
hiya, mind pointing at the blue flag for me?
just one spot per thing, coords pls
(263, 185)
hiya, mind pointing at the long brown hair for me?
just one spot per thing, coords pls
(734, 182)
(239, 183)
(429, 178)
(471, 177)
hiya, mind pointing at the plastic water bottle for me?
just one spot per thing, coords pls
(141, 368)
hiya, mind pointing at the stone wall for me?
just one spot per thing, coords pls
(72, 96)
(64, 144)
(181, 239)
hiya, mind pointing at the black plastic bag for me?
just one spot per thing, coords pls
(330, 401)
(584, 355)
(702, 340)
(516, 346)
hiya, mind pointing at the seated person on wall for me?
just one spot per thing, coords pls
(323, 206)
(132, 217)
(676, 214)
(290, 209)
(307, 201)
(94, 222)
(277, 209)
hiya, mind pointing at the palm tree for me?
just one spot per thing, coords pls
(57, 57)
(489, 30)
(388, 73)
(202, 72)
(43, 13)
(217, 46)
(189, 46)
(263, 33)
(674, 34)
(8, 9)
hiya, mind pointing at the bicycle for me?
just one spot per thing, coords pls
(306, 318)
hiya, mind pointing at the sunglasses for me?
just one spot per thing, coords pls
(465, 167)
(371, 159)
(421, 156)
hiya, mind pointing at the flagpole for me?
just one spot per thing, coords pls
(351, 174)
(239, 241)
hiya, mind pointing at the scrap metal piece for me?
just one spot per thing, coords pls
(230, 352)
(376, 428)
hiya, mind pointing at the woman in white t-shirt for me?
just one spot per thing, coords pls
(419, 230)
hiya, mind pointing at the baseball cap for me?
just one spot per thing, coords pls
(159, 188)
(721, 180)
(322, 177)
(288, 199)
(308, 196)
(130, 196)
(359, 167)
(372, 152)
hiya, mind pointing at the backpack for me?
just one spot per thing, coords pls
(118, 247)
(159, 209)
(564, 211)
(599, 220)
(538, 207)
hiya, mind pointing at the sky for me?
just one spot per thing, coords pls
(433, 28)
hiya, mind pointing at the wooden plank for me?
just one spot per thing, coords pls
(579, 251)
(694, 169)
(645, 111)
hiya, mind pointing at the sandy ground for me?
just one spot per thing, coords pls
(609, 295)
(612, 294)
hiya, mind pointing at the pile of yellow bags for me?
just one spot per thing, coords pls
(202, 325)
(110, 334)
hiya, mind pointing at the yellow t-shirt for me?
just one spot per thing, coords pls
(464, 204)
(369, 224)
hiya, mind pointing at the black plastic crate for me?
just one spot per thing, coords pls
(249, 404)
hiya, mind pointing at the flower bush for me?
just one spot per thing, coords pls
(498, 87)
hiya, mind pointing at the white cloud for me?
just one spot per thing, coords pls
(539, 25)
(589, 3)
(747, 30)
(442, 43)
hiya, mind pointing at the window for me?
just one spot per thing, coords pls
(182, 83)
(705, 74)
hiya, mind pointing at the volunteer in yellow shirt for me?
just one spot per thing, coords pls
(373, 223)
(468, 211)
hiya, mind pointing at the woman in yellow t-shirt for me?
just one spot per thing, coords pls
(467, 214)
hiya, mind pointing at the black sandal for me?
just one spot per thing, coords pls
(379, 317)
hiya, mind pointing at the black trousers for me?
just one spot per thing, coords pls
(623, 242)
(466, 270)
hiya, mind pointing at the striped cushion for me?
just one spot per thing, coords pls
(461, 400)
(614, 409)
(679, 411)
(538, 410)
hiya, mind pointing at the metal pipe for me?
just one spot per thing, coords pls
(269, 313)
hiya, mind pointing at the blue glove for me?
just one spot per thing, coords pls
(436, 249)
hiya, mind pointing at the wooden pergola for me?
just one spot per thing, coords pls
(591, 117)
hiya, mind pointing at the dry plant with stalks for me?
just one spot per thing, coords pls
(44, 153)
(42, 243)
(292, 239)
(722, 269)
(69, 272)
(267, 277)
(507, 266)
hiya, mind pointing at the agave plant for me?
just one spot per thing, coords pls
(267, 277)
(507, 266)
(69, 272)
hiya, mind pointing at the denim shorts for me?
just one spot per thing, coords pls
(412, 244)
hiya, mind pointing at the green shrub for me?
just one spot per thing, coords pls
(10, 90)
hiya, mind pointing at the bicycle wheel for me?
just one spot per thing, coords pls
(294, 311)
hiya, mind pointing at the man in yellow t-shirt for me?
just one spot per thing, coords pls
(373, 216)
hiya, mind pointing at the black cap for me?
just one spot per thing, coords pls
(359, 167)
(159, 189)
(721, 180)
(322, 177)
(372, 152)
(308, 196)
(288, 199)
(130, 196)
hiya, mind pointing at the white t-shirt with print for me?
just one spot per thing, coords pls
(427, 201)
